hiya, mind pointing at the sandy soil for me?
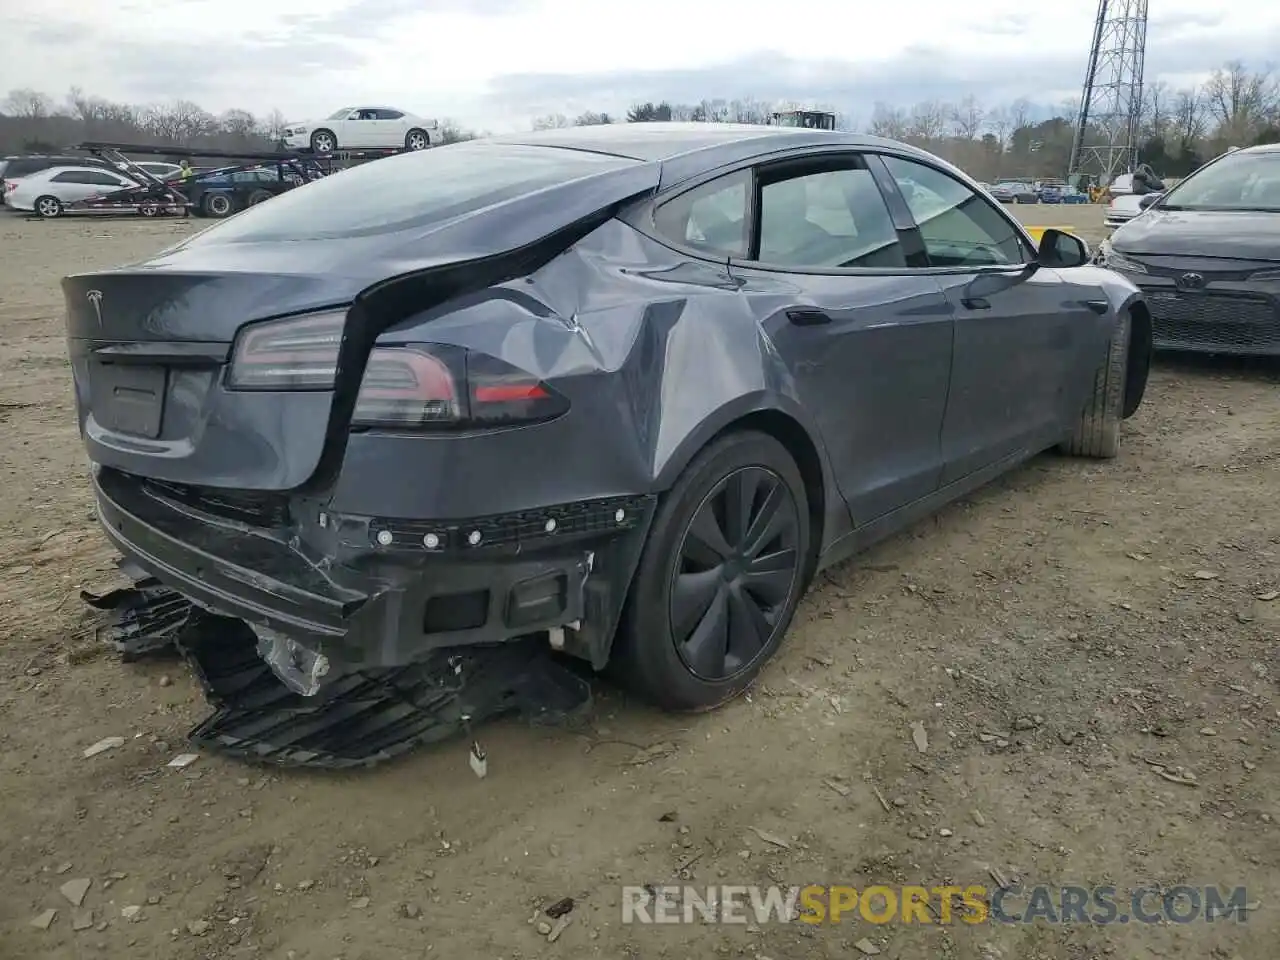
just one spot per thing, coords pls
(1055, 634)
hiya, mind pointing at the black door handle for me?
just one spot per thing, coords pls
(976, 303)
(808, 317)
(1100, 307)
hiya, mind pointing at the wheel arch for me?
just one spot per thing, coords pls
(1141, 349)
(784, 421)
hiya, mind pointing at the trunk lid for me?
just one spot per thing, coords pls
(148, 347)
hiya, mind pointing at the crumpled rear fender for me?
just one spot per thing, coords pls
(656, 356)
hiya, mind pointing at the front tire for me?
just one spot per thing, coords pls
(48, 207)
(323, 142)
(217, 205)
(719, 578)
(1097, 434)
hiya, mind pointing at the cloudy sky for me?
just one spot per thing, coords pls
(494, 64)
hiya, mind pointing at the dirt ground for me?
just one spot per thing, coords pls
(1056, 635)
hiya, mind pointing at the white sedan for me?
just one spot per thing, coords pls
(49, 191)
(361, 128)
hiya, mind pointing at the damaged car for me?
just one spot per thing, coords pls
(619, 389)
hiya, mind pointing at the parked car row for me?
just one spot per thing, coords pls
(1042, 191)
(51, 186)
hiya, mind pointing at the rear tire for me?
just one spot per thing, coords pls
(416, 139)
(47, 207)
(748, 587)
(216, 205)
(1098, 432)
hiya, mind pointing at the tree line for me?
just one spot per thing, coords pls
(1180, 128)
(32, 121)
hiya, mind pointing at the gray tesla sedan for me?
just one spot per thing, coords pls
(622, 388)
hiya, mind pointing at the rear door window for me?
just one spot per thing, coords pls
(411, 190)
(828, 219)
(711, 218)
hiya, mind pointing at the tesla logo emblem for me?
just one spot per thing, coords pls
(1190, 281)
(95, 297)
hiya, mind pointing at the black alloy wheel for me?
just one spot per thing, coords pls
(719, 578)
(737, 563)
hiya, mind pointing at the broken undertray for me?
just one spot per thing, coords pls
(356, 719)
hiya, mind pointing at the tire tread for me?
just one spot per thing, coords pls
(1097, 433)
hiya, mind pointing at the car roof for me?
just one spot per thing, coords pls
(665, 141)
(1262, 148)
(81, 167)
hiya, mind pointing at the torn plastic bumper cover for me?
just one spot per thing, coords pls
(328, 593)
(356, 719)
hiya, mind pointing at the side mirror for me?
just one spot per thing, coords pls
(1059, 249)
(1149, 199)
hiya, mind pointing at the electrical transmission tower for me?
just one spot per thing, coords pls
(1107, 130)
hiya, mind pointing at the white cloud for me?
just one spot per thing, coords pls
(492, 63)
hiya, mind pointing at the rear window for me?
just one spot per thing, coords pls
(409, 191)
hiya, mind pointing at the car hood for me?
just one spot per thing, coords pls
(1243, 235)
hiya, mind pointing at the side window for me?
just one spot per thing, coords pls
(68, 176)
(712, 217)
(390, 115)
(832, 218)
(103, 180)
(959, 227)
(368, 115)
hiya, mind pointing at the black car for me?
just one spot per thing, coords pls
(218, 196)
(623, 387)
(1207, 256)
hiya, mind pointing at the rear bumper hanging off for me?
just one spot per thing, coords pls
(359, 718)
(305, 589)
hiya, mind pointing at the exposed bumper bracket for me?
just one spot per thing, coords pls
(356, 719)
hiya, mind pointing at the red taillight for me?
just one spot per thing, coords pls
(418, 386)
(441, 387)
(405, 388)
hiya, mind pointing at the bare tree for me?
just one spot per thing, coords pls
(887, 121)
(928, 121)
(1019, 114)
(239, 124)
(748, 111)
(1000, 125)
(28, 104)
(450, 131)
(1156, 107)
(967, 118)
(1238, 99)
(551, 121)
(1189, 119)
(273, 125)
(592, 119)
